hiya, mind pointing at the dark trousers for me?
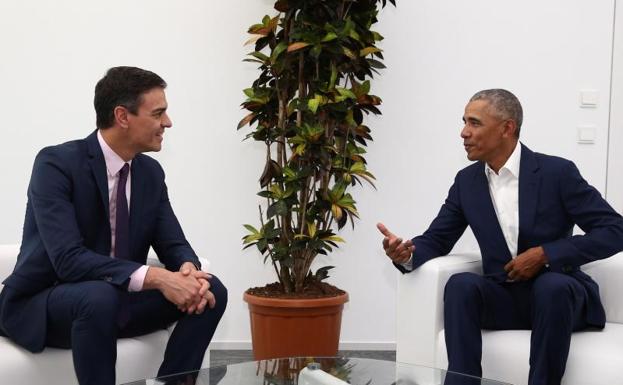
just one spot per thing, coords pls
(88, 317)
(552, 305)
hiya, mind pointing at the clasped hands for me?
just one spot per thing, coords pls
(188, 288)
(203, 296)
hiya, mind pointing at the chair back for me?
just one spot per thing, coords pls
(8, 256)
(608, 273)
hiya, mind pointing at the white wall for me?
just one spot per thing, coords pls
(438, 53)
(615, 158)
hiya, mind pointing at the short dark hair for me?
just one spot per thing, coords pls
(122, 86)
(504, 103)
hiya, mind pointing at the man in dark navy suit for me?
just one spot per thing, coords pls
(522, 207)
(95, 207)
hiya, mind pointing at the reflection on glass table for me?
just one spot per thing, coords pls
(318, 371)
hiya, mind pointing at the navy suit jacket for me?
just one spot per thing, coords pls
(553, 197)
(66, 235)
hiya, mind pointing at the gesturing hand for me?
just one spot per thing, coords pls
(397, 250)
(526, 265)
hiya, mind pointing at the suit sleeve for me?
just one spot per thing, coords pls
(602, 225)
(443, 232)
(50, 193)
(169, 241)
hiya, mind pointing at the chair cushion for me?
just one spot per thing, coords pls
(136, 358)
(595, 356)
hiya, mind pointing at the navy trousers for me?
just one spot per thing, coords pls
(85, 317)
(552, 305)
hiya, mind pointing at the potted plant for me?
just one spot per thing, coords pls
(307, 107)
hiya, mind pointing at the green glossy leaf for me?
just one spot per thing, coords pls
(334, 238)
(259, 56)
(329, 37)
(365, 87)
(278, 51)
(316, 51)
(346, 92)
(313, 104)
(368, 50)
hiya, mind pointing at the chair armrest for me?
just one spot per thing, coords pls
(420, 306)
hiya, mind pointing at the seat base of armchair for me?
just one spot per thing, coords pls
(595, 356)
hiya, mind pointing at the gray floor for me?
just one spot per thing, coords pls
(227, 357)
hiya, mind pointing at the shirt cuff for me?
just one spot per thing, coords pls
(409, 264)
(137, 278)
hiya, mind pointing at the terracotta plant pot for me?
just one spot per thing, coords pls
(295, 327)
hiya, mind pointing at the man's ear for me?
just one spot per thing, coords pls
(510, 128)
(121, 116)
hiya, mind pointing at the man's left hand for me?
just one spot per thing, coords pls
(205, 296)
(526, 265)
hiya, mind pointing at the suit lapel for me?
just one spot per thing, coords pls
(98, 167)
(483, 202)
(529, 181)
(136, 200)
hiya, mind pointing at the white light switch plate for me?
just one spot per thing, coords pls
(587, 134)
(589, 98)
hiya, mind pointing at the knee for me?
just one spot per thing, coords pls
(462, 286)
(220, 293)
(98, 299)
(552, 289)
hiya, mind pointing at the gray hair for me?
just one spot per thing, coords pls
(505, 105)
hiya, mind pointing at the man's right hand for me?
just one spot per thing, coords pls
(397, 250)
(184, 290)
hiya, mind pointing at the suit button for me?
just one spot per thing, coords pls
(566, 269)
(108, 279)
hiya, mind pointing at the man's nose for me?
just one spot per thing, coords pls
(465, 132)
(166, 121)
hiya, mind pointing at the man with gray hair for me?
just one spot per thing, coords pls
(522, 207)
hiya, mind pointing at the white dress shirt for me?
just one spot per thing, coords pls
(504, 190)
(114, 163)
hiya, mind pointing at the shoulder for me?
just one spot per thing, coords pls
(470, 171)
(551, 161)
(554, 166)
(68, 153)
(149, 164)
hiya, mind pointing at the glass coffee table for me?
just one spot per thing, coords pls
(319, 371)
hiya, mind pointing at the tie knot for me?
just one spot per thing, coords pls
(123, 173)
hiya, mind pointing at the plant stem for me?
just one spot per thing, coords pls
(270, 251)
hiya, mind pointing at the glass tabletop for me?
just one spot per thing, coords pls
(319, 371)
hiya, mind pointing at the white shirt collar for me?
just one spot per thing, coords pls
(114, 162)
(512, 163)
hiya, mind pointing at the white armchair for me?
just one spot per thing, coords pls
(137, 358)
(595, 357)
